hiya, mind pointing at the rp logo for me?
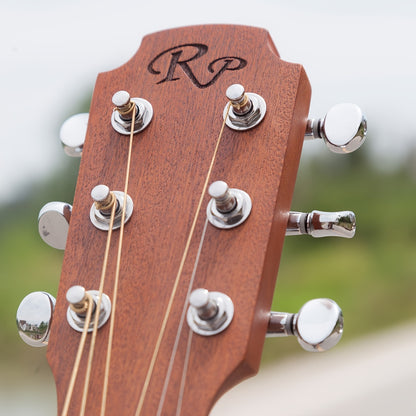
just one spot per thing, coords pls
(183, 55)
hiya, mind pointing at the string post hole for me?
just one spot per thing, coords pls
(247, 109)
(209, 313)
(228, 207)
(104, 199)
(80, 302)
(127, 108)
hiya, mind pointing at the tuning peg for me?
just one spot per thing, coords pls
(34, 317)
(72, 134)
(322, 224)
(318, 325)
(344, 128)
(53, 223)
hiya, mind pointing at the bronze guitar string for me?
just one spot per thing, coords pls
(178, 276)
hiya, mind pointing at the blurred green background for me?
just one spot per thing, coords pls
(352, 51)
(371, 276)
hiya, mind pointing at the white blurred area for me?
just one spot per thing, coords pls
(372, 376)
(51, 52)
(363, 52)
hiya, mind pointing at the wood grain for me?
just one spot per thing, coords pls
(169, 165)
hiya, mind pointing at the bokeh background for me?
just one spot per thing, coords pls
(355, 51)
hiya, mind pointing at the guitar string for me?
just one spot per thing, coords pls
(98, 305)
(182, 320)
(184, 373)
(178, 276)
(78, 357)
(117, 274)
(98, 308)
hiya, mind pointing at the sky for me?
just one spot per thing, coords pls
(52, 50)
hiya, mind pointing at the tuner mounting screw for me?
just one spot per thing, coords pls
(209, 313)
(121, 118)
(228, 207)
(247, 109)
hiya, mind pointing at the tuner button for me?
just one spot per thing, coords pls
(322, 224)
(318, 325)
(53, 224)
(343, 129)
(34, 317)
(72, 134)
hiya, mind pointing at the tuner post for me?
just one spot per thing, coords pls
(104, 199)
(125, 107)
(209, 313)
(247, 109)
(79, 304)
(228, 207)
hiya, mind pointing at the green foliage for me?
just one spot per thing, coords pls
(372, 276)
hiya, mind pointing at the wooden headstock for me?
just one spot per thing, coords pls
(184, 74)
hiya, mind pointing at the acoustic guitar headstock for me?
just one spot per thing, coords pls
(203, 130)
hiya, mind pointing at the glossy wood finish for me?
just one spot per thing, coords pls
(170, 162)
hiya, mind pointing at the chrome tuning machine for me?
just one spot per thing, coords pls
(53, 223)
(318, 325)
(344, 128)
(322, 224)
(72, 134)
(34, 318)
